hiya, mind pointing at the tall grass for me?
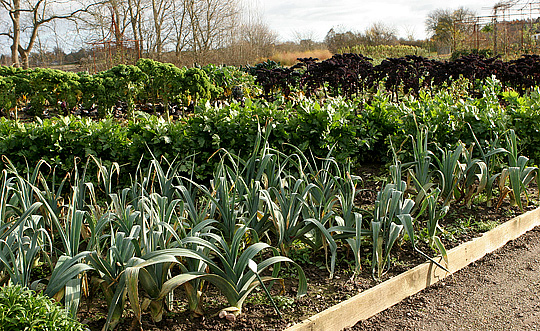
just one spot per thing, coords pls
(290, 58)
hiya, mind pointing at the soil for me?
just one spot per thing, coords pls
(499, 292)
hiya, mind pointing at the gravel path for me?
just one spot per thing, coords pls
(499, 292)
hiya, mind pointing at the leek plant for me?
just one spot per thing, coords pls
(19, 251)
(165, 230)
(319, 210)
(285, 204)
(518, 173)
(390, 217)
(65, 281)
(230, 273)
(421, 172)
(473, 176)
(488, 157)
(348, 222)
(355, 243)
(449, 171)
(435, 213)
(334, 187)
(111, 269)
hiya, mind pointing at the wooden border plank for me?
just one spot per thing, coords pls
(372, 301)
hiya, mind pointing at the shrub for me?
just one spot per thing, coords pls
(380, 52)
(22, 309)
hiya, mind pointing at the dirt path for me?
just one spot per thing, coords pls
(499, 292)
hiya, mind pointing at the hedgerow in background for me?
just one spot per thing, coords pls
(380, 52)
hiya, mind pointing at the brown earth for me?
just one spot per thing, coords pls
(499, 292)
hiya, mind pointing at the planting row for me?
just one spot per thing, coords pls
(352, 74)
(162, 88)
(351, 128)
(140, 242)
(40, 91)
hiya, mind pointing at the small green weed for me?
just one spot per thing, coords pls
(485, 226)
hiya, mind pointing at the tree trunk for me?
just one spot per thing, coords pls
(25, 58)
(16, 19)
(156, 11)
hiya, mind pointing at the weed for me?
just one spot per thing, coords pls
(485, 226)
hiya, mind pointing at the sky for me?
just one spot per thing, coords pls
(316, 17)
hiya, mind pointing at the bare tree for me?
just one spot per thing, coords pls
(255, 38)
(135, 8)
(161, 12)
(181, 29)
(381, 34)
(28, 17)
(447, 26)
(211, 23)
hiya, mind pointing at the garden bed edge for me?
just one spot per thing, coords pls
(372, 301)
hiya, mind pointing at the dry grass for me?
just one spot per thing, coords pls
(290, 58)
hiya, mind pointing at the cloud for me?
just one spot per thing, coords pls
(318, 16)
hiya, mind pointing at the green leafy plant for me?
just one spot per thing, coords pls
(22, 309)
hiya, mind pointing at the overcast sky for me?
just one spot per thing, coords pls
(317, 17)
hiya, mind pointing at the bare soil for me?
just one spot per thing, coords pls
(499, 292)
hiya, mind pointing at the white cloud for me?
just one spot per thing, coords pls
(319, 16)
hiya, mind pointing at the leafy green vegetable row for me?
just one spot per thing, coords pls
(352, 128)
(42, 90)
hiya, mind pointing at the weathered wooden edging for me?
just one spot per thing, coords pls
(392, 291)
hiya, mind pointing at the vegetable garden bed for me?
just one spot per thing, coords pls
(392, 291)
(128, 222)
(361, 296)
